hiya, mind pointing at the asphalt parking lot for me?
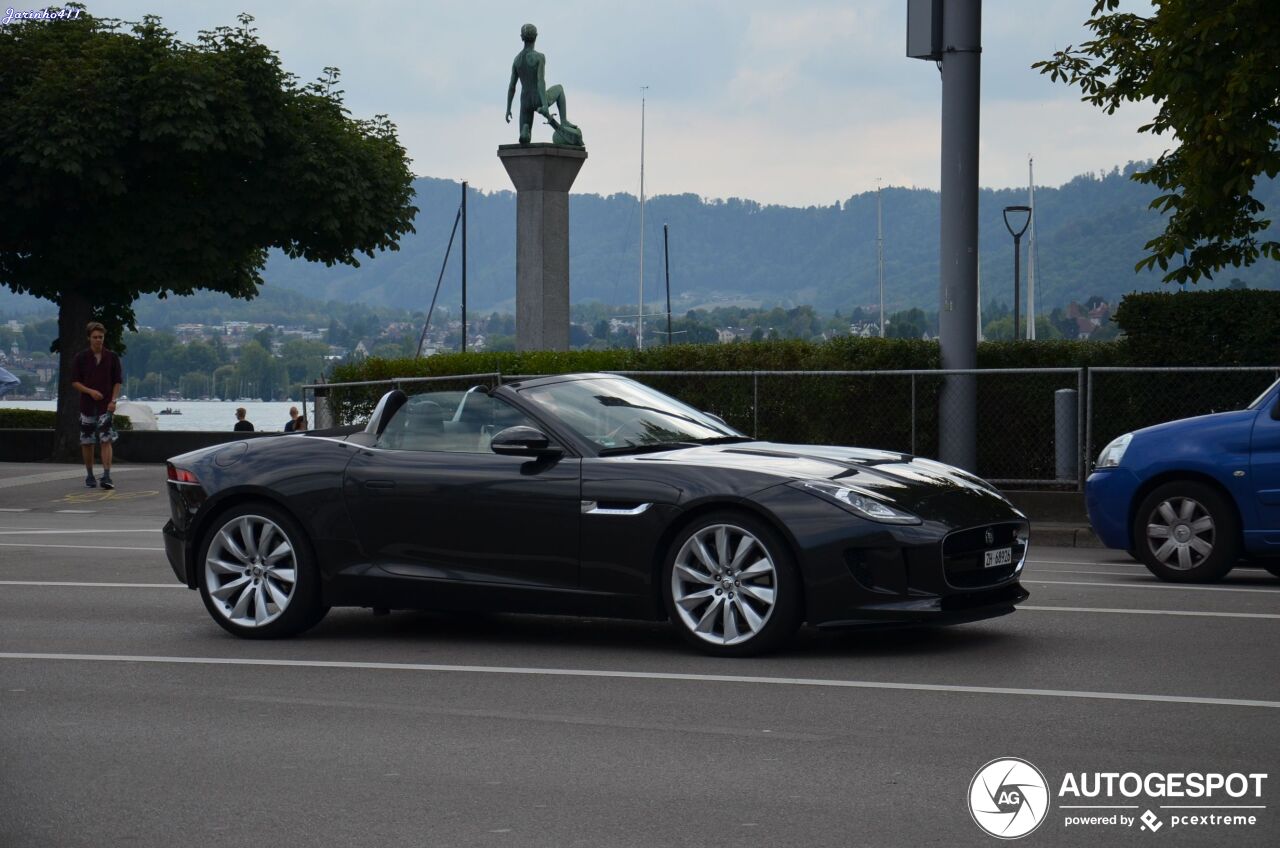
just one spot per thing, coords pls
(130, 718)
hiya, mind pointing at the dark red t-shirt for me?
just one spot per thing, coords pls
(100, 374)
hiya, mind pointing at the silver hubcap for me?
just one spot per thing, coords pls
(1180, 533)
(724, 584)
(251, 571)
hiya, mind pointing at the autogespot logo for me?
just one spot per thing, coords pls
(1008, 798)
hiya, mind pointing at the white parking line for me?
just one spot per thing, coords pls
(1204, 613)
(1083, 562)
(44, 531)
(78, 547)
(1152, 586)
(93, 585)
(1124, 574)
(652, 675)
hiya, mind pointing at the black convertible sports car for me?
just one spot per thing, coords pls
(585, 494)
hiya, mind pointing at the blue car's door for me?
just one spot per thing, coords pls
(1265, 468)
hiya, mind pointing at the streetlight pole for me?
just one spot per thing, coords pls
(1017, 257)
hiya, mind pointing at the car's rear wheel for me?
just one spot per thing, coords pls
(731, 587)
(257, 575)
(1186, 532)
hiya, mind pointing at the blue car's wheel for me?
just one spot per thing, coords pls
(1186, 532)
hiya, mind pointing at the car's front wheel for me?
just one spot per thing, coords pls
(1186, 532)
(731, 587)
(257, 575)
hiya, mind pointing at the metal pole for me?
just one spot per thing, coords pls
(755, 405)
(666, 264)
(464, 266)
(1017, 284)
(640, 311)
(961, 95)
(880, 255)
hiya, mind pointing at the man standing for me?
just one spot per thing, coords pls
(97, 376)
(293, 419)
(242, 426)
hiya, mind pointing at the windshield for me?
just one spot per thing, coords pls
(1259, 398)
(614, 412)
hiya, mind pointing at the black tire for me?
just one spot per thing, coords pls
(1202, 534)
(239, 584)
(1273, 567)
(753, 600)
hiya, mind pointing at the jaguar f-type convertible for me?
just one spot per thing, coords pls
(585, 494)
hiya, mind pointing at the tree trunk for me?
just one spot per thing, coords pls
(74, 313)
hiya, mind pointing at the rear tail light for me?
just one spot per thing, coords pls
(181, 475)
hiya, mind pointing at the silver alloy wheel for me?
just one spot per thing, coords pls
(723, 584)
(1180, 532)
(250, 571)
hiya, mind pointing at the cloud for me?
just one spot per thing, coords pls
(798, 104)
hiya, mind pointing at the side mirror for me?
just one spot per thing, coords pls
(522, 441)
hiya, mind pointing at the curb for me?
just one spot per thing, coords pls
(1064, 536)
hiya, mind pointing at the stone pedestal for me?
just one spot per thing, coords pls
(542, 174)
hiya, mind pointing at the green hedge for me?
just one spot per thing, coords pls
(41, 419)
(900, 413)
(1225, 327)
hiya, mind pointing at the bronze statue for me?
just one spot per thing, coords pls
(528, 68)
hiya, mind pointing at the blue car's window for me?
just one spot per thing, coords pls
(619, 413)
(458, 422)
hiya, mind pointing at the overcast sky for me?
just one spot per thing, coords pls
(807, 102)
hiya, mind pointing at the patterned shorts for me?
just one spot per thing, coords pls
(97, 429)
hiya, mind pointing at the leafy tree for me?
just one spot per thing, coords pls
(133, 163)
(1213, 68)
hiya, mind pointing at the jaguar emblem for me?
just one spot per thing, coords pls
(990, 536)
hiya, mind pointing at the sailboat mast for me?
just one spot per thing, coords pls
(640, 312)
(880, 255)
(1031, 252)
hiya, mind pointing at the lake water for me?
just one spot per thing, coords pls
(204, 415)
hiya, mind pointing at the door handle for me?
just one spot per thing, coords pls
(379, 484)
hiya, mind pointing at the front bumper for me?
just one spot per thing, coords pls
(1109, 499)
(947, 609)
(860, 573)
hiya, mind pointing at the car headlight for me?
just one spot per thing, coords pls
(1114, 452)
(856, 502)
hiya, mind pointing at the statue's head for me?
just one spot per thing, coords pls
(528, 33)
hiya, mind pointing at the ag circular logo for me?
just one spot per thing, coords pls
(1008, 798)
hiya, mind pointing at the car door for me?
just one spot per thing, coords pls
(429, 499)
(1264, 465)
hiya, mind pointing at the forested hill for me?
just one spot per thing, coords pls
(1091, 232)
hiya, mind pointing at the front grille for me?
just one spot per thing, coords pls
(963, 555)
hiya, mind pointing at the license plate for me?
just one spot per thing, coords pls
(1000, 556)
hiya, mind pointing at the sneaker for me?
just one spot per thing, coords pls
(90, 482)
(105, 480)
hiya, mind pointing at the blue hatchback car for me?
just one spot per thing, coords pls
(1190, 498)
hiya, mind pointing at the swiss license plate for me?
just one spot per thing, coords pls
(1000, 556)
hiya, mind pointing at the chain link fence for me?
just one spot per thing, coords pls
(1122, 399)
(1035, 427)
(1016, 413)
